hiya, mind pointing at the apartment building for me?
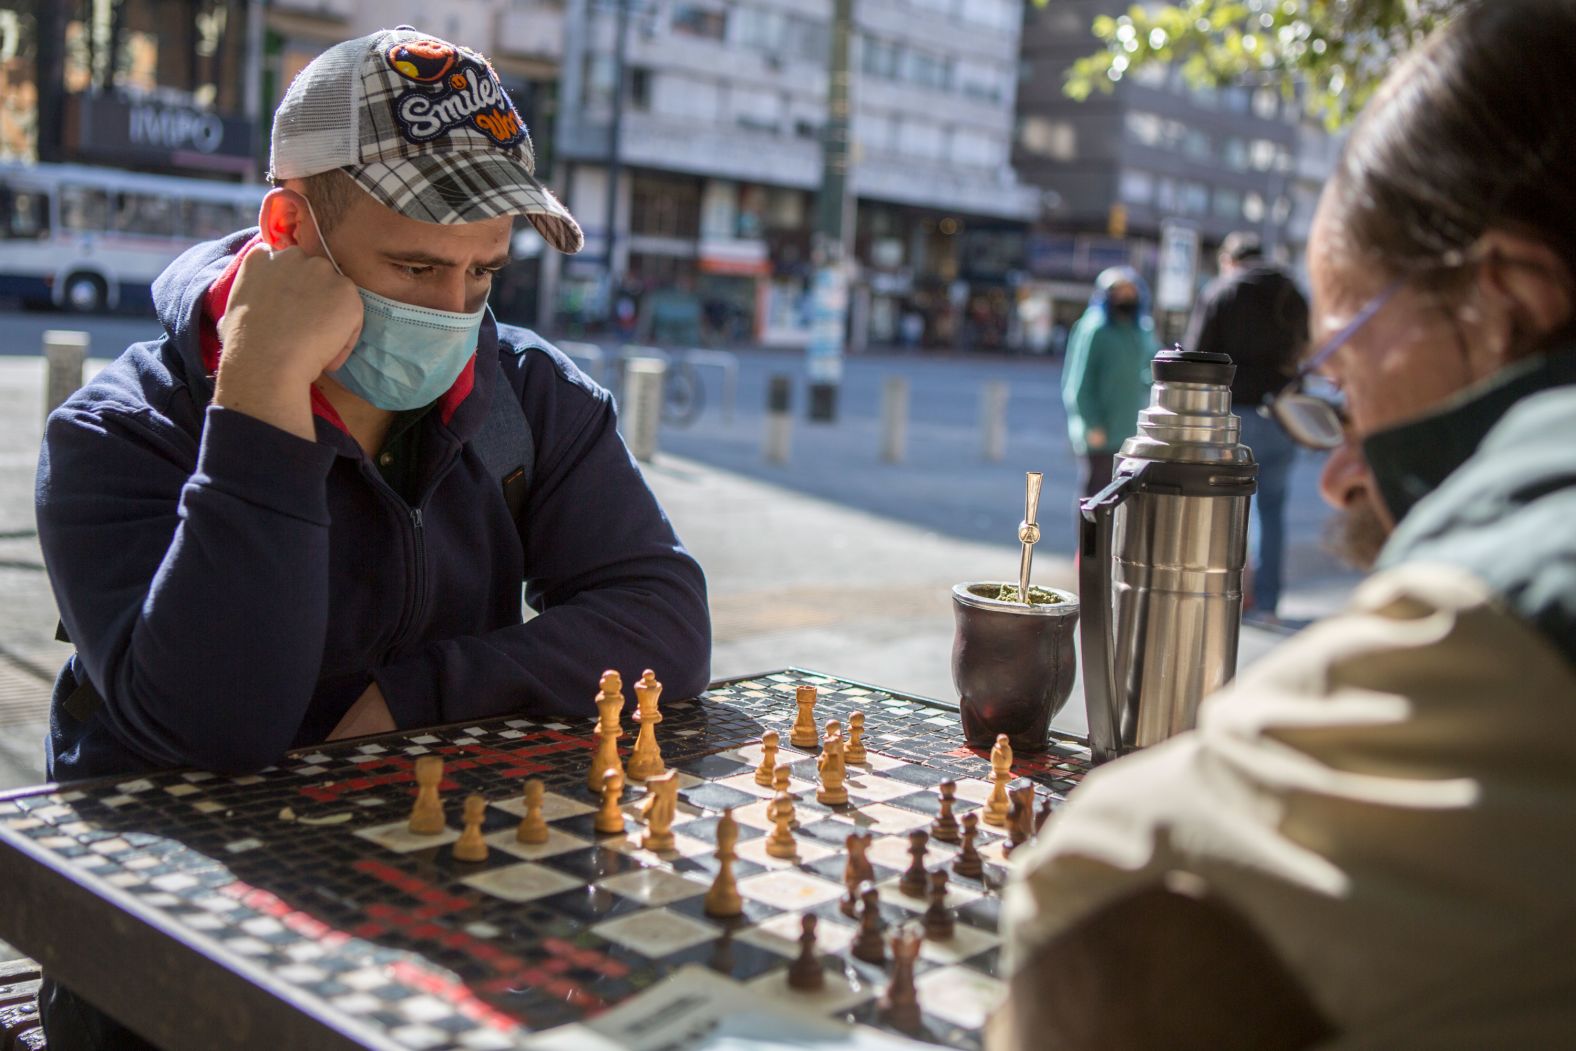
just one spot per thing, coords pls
(152, 85)
(1154, 150)
(719, 159)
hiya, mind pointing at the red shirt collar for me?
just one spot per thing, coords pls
(218, 297)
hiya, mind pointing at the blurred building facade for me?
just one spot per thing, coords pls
(982, 200)
(718, 152)
(152, 85)
(1313, 162)
(1120, 165)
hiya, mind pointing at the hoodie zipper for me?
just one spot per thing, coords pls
(418, 527)
(415, 594)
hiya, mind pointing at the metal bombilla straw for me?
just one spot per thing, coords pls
(1029, 531)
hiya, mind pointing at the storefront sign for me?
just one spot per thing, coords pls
(1073, 257)
(145, 131)
(899, 284)
(1177, 267)
(828, 316)
(886, 252)
(990, 255)
(746, 258)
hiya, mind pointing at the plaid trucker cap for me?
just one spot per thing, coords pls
(422, 125)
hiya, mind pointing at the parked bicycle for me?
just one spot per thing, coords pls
(683, 387)
(683, 392)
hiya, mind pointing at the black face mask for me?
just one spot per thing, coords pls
(1123, 311)
(1412, 459)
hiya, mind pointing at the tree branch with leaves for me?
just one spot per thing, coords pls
(1330, 53)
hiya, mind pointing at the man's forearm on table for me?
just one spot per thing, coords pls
(208, 655)
(550, 664)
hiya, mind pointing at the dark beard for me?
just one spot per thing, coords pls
(1356, 534)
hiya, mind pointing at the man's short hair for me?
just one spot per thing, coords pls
(332, 194)
(1242, 246)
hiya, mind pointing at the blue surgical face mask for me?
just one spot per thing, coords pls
(407, 356)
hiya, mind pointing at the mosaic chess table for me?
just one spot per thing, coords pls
(291, 908)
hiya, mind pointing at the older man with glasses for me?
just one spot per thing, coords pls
(1367, 842)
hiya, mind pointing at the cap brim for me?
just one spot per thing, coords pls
(466, 188)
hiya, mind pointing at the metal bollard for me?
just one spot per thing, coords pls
(779, 418)
(894, 418)
(642, 405)
(993, 420)
(65, 350)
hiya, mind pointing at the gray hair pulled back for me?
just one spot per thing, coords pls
(1476, 130)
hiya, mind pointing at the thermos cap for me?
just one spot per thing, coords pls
(1176, 365)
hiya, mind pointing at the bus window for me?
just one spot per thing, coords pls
(206, 219)
(145, 214)
(83, 209)
(24, 214)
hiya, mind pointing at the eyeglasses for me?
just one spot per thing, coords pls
(1316, 418)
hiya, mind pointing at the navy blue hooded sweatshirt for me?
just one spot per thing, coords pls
(232, 589)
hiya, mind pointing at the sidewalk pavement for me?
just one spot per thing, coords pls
(795, 580)
(29, 654)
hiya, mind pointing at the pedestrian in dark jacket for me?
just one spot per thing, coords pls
(1256, 313)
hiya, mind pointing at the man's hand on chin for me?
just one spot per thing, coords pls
(369, 715)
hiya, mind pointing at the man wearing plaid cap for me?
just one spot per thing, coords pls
(306, 511)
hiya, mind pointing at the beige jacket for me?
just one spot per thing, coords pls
(1390, 798)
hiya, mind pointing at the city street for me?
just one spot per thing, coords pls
(943, 483)
(835, 561)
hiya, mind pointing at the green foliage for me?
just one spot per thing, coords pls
(1330, 53)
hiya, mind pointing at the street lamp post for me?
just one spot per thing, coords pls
(50, 73)
(829, 295)
(614, 159)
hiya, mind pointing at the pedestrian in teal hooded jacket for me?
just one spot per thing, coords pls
(1105, 381)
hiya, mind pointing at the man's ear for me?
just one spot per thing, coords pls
(282, 218)
(1528, 284)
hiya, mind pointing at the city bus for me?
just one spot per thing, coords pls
(89, 239)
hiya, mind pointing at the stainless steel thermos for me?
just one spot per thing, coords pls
(1161, 551)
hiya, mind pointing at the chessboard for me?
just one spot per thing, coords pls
(304, 879)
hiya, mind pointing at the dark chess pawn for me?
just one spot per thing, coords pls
(856, 870)
(900, 1004)
(1020, 822)
(945, 827)
(969, 863)
(939, 924)
(805, 973)
(869, 944)
(1045, 813)
(914, 879)
(722, 960)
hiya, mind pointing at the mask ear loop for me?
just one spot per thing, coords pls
(487, 304)
(320, 238)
